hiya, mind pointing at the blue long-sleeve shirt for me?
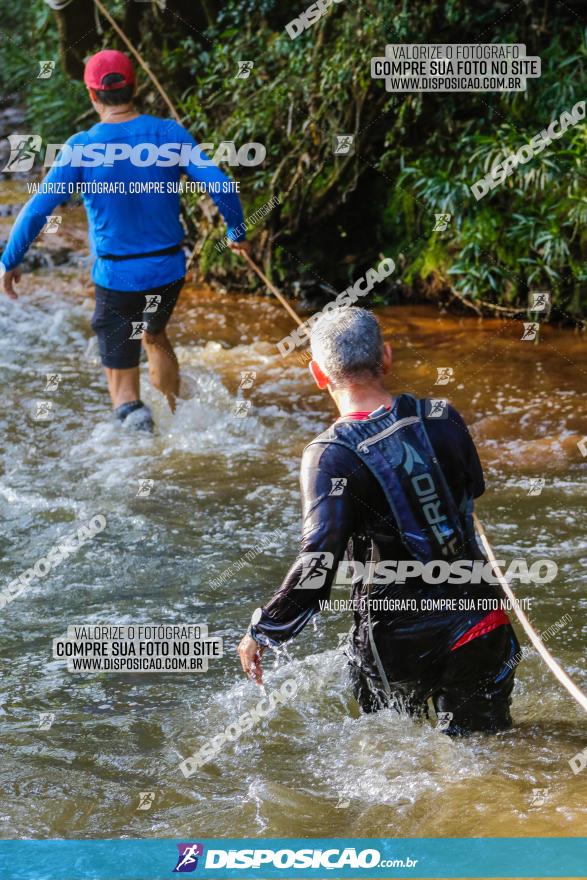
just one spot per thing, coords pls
(124, 222)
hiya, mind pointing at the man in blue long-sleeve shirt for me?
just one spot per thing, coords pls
(127, 169)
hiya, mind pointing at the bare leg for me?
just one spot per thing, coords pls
(163, 366)
(123, 385)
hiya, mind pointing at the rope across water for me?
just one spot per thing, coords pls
(552, 664)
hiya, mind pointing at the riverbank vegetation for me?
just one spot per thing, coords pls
(415, 155)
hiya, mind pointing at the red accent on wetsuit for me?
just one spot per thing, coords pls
(492, 620)
(359, 415)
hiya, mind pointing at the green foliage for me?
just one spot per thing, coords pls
(52, 105)
(528, 233)
(416, 154)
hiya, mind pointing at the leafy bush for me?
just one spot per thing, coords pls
(416, 154)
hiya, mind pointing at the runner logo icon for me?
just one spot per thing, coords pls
(187, 860)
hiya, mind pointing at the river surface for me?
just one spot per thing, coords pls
(222, 486)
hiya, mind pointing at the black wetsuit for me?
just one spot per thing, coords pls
(457, 658)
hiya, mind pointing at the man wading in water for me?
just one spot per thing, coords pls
(395, 482)
(133, 208)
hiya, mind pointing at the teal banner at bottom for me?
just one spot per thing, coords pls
(290, 858)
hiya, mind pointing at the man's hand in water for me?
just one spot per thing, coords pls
(11, 278)
(240, 247)
(250, 653)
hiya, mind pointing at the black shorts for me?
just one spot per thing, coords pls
(121, 317)
(472, 686)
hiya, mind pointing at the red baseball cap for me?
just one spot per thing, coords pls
(105, 62)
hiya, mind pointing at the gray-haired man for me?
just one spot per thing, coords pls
(394, 483)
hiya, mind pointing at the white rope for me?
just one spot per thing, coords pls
(58, 5)
(554, 667)
(99, 28)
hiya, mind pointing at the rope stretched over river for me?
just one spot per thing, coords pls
(552, 664)
(273, 290)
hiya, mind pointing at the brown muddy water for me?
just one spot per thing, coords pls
(225, 485)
